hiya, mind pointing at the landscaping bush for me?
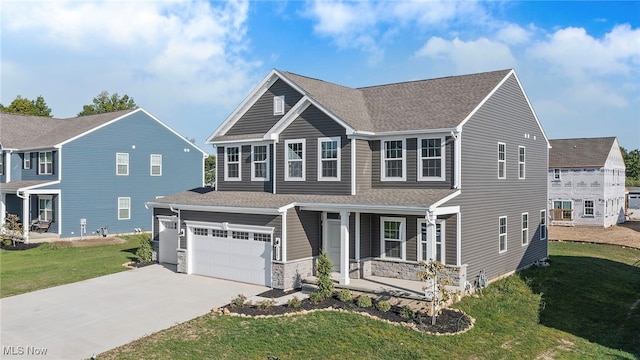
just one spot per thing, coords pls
(239, 301)
(316, 297)
(324, 267)
(145, 251)
(363, 301)
(344, 295)
(383, 306)
(294, 302)
(265, 304)
(407, 313)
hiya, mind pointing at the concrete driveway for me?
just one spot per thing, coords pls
(78, 320)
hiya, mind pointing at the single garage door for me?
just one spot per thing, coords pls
(168, 237)
(229, 254)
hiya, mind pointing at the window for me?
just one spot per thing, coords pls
(218, 233)
(502, 233)
(431, 164)
(295, 160)
(521, 163)
(588, 208)
(240, 235)
(423, 252)
(393, 155)
(278, 105)
(562, 210)
(502, 161)
(45, 163)
(232, 165)
(525, 229)
(329, 159)
(556, 174)
(543, 224)
(201, 231)
(122, 164)
(1, 163)
(393, 238)
(124, 208)
(262, 237)
(45, 208)
(156, 165)
(259, 162)
(26, 161)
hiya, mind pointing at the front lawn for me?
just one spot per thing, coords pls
(517, 317)
(53, 264)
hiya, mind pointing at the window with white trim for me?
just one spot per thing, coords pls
(122, 164)
(45, 207)
(1, 163)
(423, 244)
(155, 161)
(329, 159)
(219, 233)
(240, 235)
(502, 234)
(262, 237)
(124, 208)
(556, 174)
(588, 208)
(502, 161)
(232, 163)
(26, 161)
(201, 231)
(259, 162)
(294, 160)
(521, 162)
(543, 224)
(392, 238)
(278, 105)
(393, 160)
(45, 163)
(431, 163)
(525, 228)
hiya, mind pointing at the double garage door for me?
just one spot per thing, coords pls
(243, 254)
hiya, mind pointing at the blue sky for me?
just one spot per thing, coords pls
(191, 63)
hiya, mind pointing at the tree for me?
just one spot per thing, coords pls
(210, 170)
(436, 278)
(24, 106)
(103, 103)
(632, 163)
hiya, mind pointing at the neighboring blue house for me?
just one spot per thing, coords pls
(92, 174)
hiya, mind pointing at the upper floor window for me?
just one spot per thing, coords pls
(588, 208)
(502, 161)
(431, 164)
(156, 164)
(45, 163)
(525, 228)
(122, 164)
(260, 162)
(278, 105)
(393, 237)
(393, 160)
(124, 208)
(556, 174)
(26, 161)
(329, 158)
(232, 163)
(502, 233)
(521, 162)
(295, 160)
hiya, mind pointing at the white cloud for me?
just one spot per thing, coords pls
(513, 34)
(469, 56)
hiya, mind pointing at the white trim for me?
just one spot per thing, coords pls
(265, 161)
(238, 162)
(275, 166)
(151, 165)
(47, 197)
(337, 140)
(278, 105)
(559, 172)
(369, 135)
(584, 208)
(357, 237)
(26, 159)
(122, 208)
(223, 209)
(287, 177)
(443, 255)
(51, 163)
(118, 164)
(503, 161)
(434, 206)
(522, 174)
(287, 119)
(458, 160)
(543, 215)
(523, 229)
(353, 175)
(283, 237)
(458, 239)
(229, 227)
(403, 237)
(420, 158)
(344, 247)
(506, 232)
(403, 158)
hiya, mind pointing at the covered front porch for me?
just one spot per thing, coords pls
(35, 207)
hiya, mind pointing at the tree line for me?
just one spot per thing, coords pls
(102, 103)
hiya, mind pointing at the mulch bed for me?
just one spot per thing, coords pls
(140, 264)
(449, 322)
(18, 246)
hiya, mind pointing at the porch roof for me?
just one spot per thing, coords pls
(377, 200)
(13, 186)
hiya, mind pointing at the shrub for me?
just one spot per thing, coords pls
(383, 306)
(294, 302)
(324, 267)
(344, 295)
(239, 301)
(145, 251)
(316, 297)
(363, 301)
(265, 304)
(406, 313)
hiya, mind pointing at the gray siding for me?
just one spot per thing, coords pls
(505, 117)
(450, 246)
(311, 125)
(32, 173)
(363, 165)
(259, 118)
(412, 156)
(303, 234)
(366, 239)
(156, 223)
(245, 172)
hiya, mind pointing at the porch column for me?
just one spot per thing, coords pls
(26, 221)
(3, 208)
(344, 248)
(430, 218)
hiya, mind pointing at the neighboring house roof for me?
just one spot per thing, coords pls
(13, 186)
(582, 152)
(418, 199)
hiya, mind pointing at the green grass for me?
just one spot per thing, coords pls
(582, 313)
(53, 264)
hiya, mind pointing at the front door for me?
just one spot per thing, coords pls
(333, 243)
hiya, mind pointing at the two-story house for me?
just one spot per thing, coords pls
(586, 182)
(380, 178)
(91, 175)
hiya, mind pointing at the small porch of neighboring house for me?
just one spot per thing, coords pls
(562, 213)
(36, 208)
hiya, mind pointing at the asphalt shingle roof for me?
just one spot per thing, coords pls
(581, 152)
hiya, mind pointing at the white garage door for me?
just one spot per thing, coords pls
(227, 254)
(168, 238)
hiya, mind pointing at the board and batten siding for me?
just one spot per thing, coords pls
(259, 118)
(303, 234)
(311, 125)
(90, 187)
(245, 183)
(507, 118)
